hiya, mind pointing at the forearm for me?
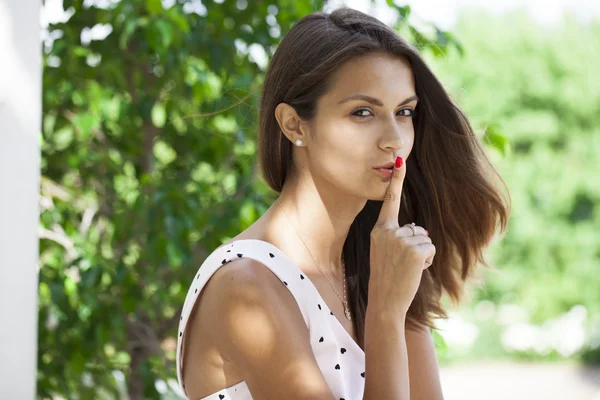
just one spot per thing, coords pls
(386, 357)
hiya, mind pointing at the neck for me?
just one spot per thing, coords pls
(321, 218)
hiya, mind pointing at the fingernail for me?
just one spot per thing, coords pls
(399, 162)
(426, 232)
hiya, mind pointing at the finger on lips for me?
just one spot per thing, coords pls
(391, 203)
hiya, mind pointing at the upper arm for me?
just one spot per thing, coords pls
(422, 365)
(257, 324)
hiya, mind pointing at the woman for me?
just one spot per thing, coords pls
(332, 292)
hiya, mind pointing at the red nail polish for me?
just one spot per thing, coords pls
(399, 162)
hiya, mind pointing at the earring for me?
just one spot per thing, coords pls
(298, 142)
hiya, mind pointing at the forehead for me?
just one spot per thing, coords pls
(377, 74)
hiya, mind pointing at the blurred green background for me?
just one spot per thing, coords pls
(148, 164)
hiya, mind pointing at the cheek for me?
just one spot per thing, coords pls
(410, 145)
(342, 138)
(345, 156)
(408, 136)
(341, 153)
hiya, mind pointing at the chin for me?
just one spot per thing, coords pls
(378, 191)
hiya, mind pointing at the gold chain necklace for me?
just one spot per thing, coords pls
(344, 302)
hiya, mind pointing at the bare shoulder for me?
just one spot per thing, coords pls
(240, 295)
(256, 323)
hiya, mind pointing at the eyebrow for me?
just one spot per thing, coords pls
(375, 101)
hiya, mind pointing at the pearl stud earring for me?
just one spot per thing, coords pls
(298, 142)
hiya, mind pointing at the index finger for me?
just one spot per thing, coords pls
(388, 215)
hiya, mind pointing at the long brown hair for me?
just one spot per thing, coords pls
(450, 184)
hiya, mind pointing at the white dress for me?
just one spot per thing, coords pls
(339, 357)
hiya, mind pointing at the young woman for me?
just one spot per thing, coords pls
(332, 292)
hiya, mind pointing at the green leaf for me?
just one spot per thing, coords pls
(63, 137)
(154, 6)
(110, 108)
(173, 254)
(159, 114)
(179, 20)
(164, 153)
(49, 122)
(130, 27)
(404, 11)
(78, 363)
(166, 32)
(247, 215)
(225, 124)
(129, 304)
(494, 138)
(439, 342)
(86, 122)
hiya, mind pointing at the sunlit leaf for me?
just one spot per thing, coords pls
(154, 6)
(159, 115)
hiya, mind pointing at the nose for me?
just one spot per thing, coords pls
(393, 139)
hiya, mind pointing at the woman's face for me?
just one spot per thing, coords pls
(351, 134)
(364, 120)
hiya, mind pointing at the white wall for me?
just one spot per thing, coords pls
(20, 121)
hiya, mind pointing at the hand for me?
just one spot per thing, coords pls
(397, 257)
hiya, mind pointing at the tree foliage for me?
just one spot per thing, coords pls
(538, 85)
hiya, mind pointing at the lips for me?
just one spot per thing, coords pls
(388, 165)
(385, 172)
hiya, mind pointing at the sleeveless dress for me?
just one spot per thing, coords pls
(339, 357)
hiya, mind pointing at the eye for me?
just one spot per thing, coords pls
(360, 110)
(410, 115)
(412, 112)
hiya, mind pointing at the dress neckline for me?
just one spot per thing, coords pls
(337, 323)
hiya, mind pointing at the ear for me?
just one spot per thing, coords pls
(292, 126)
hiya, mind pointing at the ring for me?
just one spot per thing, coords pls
(412, 226)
